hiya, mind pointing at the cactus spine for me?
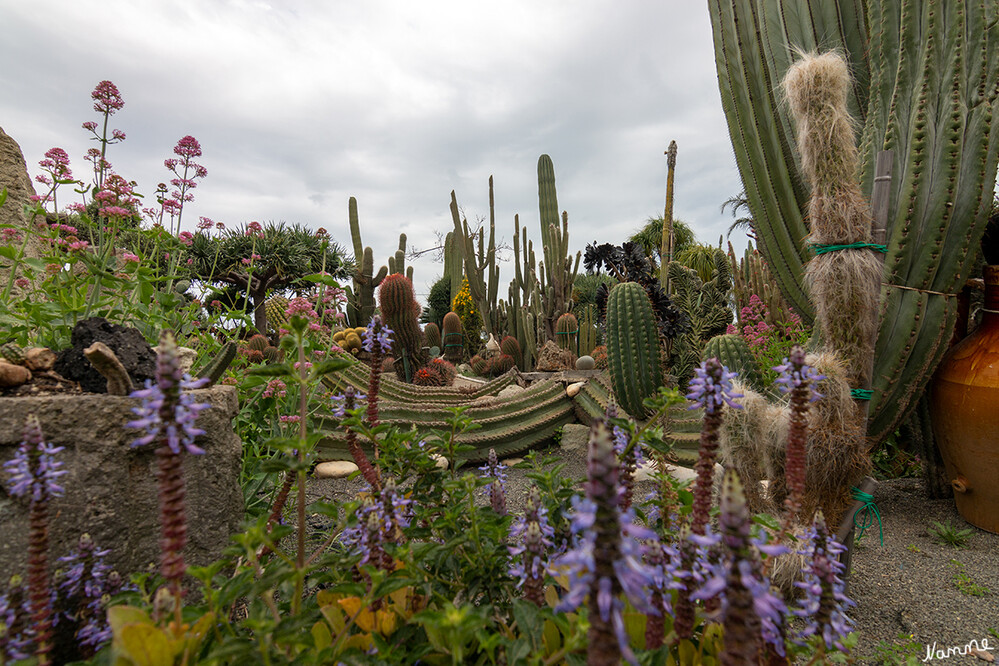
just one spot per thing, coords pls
(401, 312)
(453, 347)
(632, 347)
(215, 368)
(925, 88)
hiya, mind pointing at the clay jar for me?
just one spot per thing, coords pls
(964, 404)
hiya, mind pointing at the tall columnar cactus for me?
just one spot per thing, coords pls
(925, 88)
(558, 270)
(567, 332)
(587, 329)
(453, 347)
(401, 313)
(361, 295)
(480, 268)
(632, 347)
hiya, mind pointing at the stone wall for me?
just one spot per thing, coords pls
(111, 488)
(14, 176)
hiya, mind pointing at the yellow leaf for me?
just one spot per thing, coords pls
(321, 636)
(387, 622)
(119, 616)
(363, 617)
(146, 645)
(552, 637)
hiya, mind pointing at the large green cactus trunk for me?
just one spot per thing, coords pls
(925, 86)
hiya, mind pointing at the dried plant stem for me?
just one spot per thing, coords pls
(173, 523)
(38, 579)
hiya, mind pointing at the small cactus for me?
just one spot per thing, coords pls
(500, 364)
(432, 334)
(510, 346)
(12, 353)
(215, 368)
(273, 355)
(258, 343)
(478, 365)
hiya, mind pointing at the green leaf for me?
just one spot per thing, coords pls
(276, 370)
(328, 366)
(319, 278)
(3, 196)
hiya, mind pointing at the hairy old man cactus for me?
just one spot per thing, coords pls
(632, 347)
(924, 86)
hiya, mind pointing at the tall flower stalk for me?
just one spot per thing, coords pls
(710, 388)
(494, 470)
(607, 559)
(34, 472)
(167, 415)
(532, 535)
(798, 379)
(107, 100)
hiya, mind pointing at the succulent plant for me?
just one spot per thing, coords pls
(633, 351)
(402, 314)
(453, 347)
(432, 334)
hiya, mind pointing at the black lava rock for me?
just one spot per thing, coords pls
(127, 343)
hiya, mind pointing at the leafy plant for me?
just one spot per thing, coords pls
(964, 582)
(947, 534)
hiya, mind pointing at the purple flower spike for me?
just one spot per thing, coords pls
(379, 334)
(712, 386)
(795, 373)
(33, 469)
(167, 412)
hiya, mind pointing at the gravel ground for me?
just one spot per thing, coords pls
(906, 590)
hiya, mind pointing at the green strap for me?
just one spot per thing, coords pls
(822, 249)
(567, 332)
(861, 394)
(870, 512)
(453, 344)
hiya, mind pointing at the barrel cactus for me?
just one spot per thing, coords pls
(401, 313)
(633, 352)
(510, 346)
(453, 347)
(432, 334)
(734, 353)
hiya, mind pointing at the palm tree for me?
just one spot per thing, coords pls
(739, 201)
(650, 237)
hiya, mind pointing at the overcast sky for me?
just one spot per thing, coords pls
(300, 104)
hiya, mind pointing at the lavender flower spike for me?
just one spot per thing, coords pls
(379, 334)
(711, 387)
(796, 374)
(33, 470)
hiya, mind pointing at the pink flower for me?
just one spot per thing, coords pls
(188, 147)
(290, 419)
(190, 262)
(90, 125)
(78, 245)
(22, 282)
(254, 229)
(186, 237)
(275, 387)
(10, 235)
(321, 233)
(76, 207)
(128, 256)
(115, 211)
(205, 223)
(106, 97)
(216, 303)
(219, 226)
(302, 307)
(246, 261)
(117, 135)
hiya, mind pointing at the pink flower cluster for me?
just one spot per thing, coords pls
(275, 388)
(249, 260)
(254, 229)
(186, 237)
(116, 197)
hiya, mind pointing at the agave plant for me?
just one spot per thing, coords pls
(924, 87)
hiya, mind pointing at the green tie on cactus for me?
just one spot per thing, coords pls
(566, 332)
(452, 339)
(632, 347)
(734, 353)
(402, 313)
(924, 87)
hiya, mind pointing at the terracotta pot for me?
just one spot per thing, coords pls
(964, 404)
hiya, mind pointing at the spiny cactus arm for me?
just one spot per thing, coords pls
(216, 367)
(475, 271)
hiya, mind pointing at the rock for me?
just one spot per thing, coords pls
(39, 358)
(334, 469)
(510, 390)
(553, 359)
(14, 176)
(13, 375)
(106, 363)
(111, 489)
(510, 462)
(572, 390)
(128, 344)
(439, 460)
(575, 437)
(185, 357)
(585, 363)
